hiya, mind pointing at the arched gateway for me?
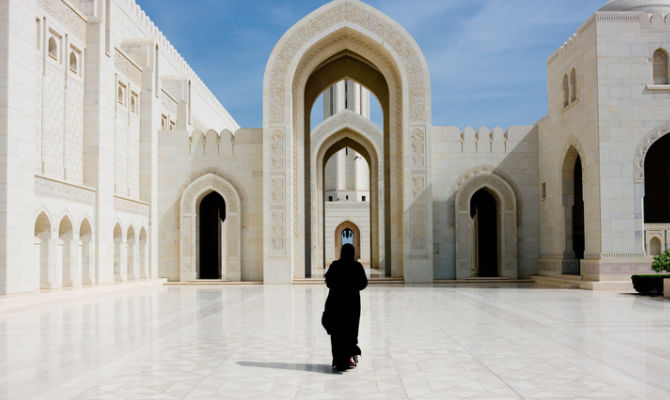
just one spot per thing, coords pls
(347, 39)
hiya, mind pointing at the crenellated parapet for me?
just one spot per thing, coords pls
(167, 50)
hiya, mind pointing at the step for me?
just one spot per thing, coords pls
(557, 281)
(212, 282)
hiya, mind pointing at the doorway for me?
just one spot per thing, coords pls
(212, 215)
(484, 215)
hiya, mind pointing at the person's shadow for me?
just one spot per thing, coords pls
(317, 368)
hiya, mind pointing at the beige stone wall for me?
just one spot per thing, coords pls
(574, 125)
(238, 160)
(457, 156)
(339, 212)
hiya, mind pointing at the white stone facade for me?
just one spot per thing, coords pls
(110, 142)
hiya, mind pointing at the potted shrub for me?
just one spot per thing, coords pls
(652, 285)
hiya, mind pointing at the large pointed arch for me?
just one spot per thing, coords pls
(190, 200)
(365, 43)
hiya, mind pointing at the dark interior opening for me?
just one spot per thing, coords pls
(656, 188)
(483, 211)
(578, 243)
(212, 214)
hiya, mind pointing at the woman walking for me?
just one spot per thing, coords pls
(345, 279)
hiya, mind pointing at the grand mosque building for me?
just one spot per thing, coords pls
(119, 165)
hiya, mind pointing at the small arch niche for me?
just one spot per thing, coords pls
(566, 91)
(573, 85)
(660, 68)
(74, 64)
(53, 48)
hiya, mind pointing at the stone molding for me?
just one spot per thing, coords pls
(131, 205)
(190, 199)
(127, 67)
(50, 187)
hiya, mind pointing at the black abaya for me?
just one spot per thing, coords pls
(345, 279)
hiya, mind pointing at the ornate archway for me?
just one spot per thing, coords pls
(357, 238)
(190, 200)
(507, 224)
(347, 38)
(349, 129)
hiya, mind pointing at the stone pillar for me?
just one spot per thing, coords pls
(56, 275)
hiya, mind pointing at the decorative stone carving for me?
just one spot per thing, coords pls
(643, 147)
(418, 149)
(130, 205)
(277, 234)
(54, 188)
(127, 67)
(63, 13)
(277, 150)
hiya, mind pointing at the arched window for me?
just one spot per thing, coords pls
(74, 67)
(121, 94)
(655, 247)
(53, 48)
(566, 91)
(573, 86)
(660, 69)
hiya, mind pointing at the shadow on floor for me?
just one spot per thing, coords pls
(317, 368)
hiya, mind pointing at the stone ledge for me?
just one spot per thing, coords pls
(658, 87)
(18, 302)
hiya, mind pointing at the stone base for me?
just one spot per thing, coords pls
(49, 296)
(604, 270)
(666, 288)
(577, 282)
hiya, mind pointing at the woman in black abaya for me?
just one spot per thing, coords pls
(345, 279)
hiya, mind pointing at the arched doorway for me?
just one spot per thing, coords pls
(573, 206)
(657, 196)
(486, 222)
(231, 228)
(211, 217)
(656, 184)
(344, 40)
(484, 214)
(347, 232)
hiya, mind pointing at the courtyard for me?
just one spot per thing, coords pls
(266, 342)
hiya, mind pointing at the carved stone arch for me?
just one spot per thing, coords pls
(351, 130)
(643, 147)
(507, 224)
(639, 157)
(44, 215)
(190, 199)
(354, 27)
(338, 238)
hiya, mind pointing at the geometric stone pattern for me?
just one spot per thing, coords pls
(266, 342)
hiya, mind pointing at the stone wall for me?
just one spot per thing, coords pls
(458, 155)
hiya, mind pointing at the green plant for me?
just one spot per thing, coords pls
(649, 285)
(662, 262)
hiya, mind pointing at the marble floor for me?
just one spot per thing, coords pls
(265, 342)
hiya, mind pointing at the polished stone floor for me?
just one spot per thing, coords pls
(265, 342)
